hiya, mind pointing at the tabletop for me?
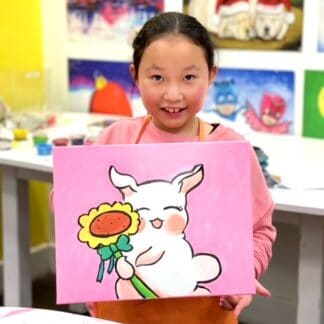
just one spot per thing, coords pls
(299, 163)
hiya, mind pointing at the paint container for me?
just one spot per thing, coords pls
(44, 149)
(62, 141)
(77, 139)
(20, 134)
(40, 139)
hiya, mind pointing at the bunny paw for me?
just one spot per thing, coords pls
(124, 269)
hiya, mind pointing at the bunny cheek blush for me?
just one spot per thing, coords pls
(175, 224)
(109, 224)
(141, 225)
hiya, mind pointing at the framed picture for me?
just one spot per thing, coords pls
(103, 87)
(253, 100)
(313, 125)
(109, 20)
(242, 24)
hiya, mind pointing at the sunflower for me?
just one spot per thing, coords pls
(102, 226)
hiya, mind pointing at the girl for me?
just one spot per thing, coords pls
(173, 67)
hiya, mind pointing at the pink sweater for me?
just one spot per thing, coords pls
(126, 131)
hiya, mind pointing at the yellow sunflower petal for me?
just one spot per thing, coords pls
(86, 222)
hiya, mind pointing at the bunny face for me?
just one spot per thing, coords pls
(161, 207)
(161, 204)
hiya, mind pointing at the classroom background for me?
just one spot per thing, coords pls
(65, 56)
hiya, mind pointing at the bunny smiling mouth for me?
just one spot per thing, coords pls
(157, 223)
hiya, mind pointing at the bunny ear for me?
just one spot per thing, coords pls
(189, 180)
(124, 182)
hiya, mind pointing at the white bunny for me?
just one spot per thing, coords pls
(161, 255)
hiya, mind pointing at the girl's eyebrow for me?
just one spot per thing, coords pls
(191, 67)
(159, 68)
(154, 67)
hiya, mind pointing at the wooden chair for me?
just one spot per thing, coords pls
(191, 310)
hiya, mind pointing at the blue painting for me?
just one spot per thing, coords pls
(115, 20)
(103, 87)
(259, 100)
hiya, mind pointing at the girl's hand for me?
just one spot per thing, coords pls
(240, 302)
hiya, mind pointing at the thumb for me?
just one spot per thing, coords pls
(261, 290)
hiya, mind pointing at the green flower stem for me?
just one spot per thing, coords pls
(141, 287)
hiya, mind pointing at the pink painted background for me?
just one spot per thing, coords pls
(219, 208)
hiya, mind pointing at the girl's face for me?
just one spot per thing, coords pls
(173, 79)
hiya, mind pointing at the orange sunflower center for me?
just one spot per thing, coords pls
(110, 223)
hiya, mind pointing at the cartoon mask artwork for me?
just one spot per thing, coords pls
(272, 108)
(144, 238)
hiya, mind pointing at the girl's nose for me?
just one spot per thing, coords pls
(173, 93)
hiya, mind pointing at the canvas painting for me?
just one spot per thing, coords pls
(254, 24)
(115, 21)
(103, 87)
(153, 221)
(313, 122)
(252, 100)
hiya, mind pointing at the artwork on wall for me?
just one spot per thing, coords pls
(320, 44)
(259, 100)
(103, 87)
(254, 24)
(109, 20)
(130, 220)
(313, 121)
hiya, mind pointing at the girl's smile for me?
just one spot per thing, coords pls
(173, 79)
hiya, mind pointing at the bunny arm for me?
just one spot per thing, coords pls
(207, 267)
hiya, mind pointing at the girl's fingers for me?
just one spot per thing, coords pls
(239, 303)
(224, 303)
(261, 290)
(242, 304)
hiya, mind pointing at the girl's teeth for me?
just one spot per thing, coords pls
(174, 110)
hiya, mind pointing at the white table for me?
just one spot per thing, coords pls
(309, 204)
(300, 164)
(16, 315)
(18, 167)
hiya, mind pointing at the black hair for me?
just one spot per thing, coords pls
(172, 23)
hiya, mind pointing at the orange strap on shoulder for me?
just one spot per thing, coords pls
(147, 120)
(202, 129)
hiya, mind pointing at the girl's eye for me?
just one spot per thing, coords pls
(156, 77)
(189, 77)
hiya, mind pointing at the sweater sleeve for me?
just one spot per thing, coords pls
(264, 233)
